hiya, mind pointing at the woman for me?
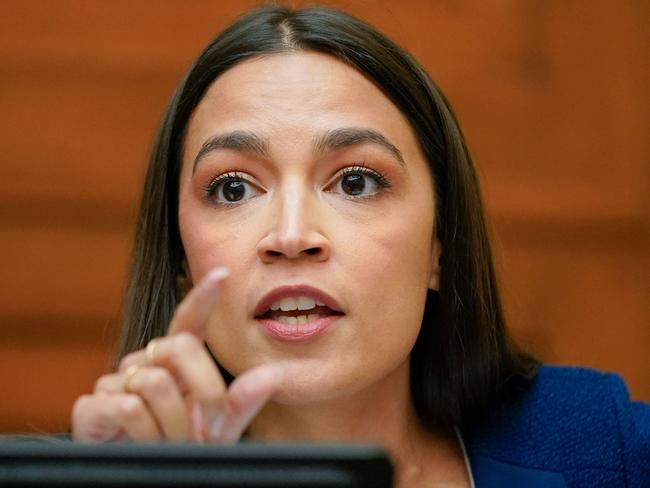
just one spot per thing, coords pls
(312, 264)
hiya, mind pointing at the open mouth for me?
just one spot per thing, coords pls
(297, 311)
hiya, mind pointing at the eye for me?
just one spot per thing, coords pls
(360, 182)
(230, 189)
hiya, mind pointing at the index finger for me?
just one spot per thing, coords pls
(193, 312)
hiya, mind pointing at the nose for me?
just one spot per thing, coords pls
(296, 229)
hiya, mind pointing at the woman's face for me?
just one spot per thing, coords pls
(297, 170)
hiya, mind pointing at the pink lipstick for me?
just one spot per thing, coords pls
(297, 313)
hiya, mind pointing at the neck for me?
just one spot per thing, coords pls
(381, 414)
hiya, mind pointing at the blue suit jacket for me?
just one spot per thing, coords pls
(572, 428)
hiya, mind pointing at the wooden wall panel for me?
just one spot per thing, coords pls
(67, 272)
(94, 161)
(42, 380)
(551, 95)
(577, 298)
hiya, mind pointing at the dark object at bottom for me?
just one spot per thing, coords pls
(49, 463)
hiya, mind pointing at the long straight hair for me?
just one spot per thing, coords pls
(463, 354)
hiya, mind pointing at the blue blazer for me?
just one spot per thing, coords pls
(572, 428)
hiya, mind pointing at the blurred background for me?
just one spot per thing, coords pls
(552, 95)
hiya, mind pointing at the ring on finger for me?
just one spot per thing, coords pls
(131, 371)
(150, 351)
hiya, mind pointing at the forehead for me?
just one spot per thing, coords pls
(294, 95)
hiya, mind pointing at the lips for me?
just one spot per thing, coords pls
(297, 313)
(326, 305)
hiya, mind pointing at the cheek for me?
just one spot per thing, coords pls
(210, 239)
(206, 247)
(210, 242)
(387, 268)
(206, 241)
(394, 258)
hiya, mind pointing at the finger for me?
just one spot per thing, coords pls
(198, 377)
(191, 315)
(137, 358)
(159, 390)
(191, 366)
(193, 312)
(245, 398)
(157, 387)
(109, 417)
(91, 423)
(110, 383)
(135, 418)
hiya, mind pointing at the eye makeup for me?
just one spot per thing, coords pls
(378, 177)
(242, 182)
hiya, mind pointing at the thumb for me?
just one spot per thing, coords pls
(246, 396)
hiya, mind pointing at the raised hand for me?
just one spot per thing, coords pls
(172, 389)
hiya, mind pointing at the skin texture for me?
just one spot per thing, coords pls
(375, 256)
(374, 253)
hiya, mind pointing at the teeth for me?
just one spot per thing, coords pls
(306, 303)
(299, 320)
(287, 304)
(297, 303)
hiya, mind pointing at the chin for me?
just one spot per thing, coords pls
(299, 388)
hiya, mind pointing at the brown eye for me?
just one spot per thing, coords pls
(353, 184)
(360, 182)
(230, 189)
(233, 190)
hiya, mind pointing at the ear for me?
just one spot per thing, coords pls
(436, 252)
(184, 281)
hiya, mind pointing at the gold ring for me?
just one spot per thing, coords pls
(150, 351)
(131, 371)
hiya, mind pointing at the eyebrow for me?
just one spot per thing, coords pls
(249, 142)
(239, 140)
(351, 136)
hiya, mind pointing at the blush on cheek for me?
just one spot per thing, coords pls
(403, 246)
(388, 271)
(205, 250)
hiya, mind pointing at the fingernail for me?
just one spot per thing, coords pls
(213, 421)
(197, 422)
(217, 274)
(269, 374)
(216, 426)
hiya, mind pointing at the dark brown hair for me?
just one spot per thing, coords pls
(463, 355)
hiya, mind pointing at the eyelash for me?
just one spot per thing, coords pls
(380, 179)
(212, 187)
(360, 168)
